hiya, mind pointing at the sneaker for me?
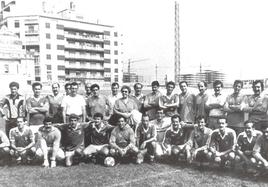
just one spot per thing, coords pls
(139, 159)
(18, 160)
(53, 164)
(46, 163)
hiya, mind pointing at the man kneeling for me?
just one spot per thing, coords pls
(122, 140)
(146, 136)
(22, 142)
(175, 140)
(49, 143)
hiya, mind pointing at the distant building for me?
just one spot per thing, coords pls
(15, 65)
(67, 48)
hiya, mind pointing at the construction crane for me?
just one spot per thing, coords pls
(132, 61)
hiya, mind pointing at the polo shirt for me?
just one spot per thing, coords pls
(261, 146)
(123, 137)
(186, 107)
(161, 128)
(199, 138)
(245, 143)
(73, 105)
(21, 139)
(38, 117)
(51, 135)
(145, 134)
(165, 99)
(175, 137)
(219, 99)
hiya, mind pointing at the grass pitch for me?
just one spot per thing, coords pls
(158, 174)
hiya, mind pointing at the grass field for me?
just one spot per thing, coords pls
(158, 174)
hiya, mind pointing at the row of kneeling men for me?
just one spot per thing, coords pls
(163, 137)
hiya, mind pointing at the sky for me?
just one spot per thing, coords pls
(226, 35)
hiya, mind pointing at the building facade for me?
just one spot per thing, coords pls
(66, 48)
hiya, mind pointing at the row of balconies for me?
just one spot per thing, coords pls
(84, 47)
(83, 56)
(83, 37)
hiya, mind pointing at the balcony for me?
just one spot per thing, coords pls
(83, 67)
(83, 48)
(83, 57)
(32, 32)
(75, 77)
(83, 38)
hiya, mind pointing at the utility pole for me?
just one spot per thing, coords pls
(177, 45)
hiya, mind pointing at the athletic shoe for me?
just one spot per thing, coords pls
(46, 163)
(53, 164)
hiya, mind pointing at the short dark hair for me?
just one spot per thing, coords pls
(74, 84)
(119, 117)
(204, 82)
(176, 116)
(248, 121)
(98, 115)
(217, 82)
(21, 117)
(94, 86)
(238, 82)
(183, 82)
(170, 83)
(258, 81)
(36, 84)
(72, 116)
(66, 85)
(126, 87)
(48, 119)
(145, 115)
(136, 84)
(14, 84)
(155, 83)
(115, 84)
(222, 117)
(198, 118)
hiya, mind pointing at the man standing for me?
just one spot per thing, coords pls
(37, 107)
(54, 101)
(22, 142)
(115, 94)
(138, 97)
(151, 101)
(169, 102)
(67, 88)
(49, 138)
(73, 104)
(200, 100)
(187, 103)
(122, 140)
(15, 105)
(215, 104)
(98, 103)
(234, 108)
(88, 91)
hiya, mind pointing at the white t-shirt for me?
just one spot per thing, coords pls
(73, 105)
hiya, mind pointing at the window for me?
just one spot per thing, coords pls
(60, 57)
(116, 70)
(107, 33)
(116, 61)
(17, 24)
(47, 25)
(60, 47)
(106, 60)
(115, 34)
(107, 42)
(115, 43)
(48, 57)
(48, 46)
(6, 68)
(106, 51)
(47, 35)
(60, 37)
(49, 73)
(116, 52)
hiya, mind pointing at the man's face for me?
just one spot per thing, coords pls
(95, 91)
(124, 93)
(170, 88)
(48, 124)
(176, 124)
(183, 87)
(73, 122)
(74, 89)
(201, 87)
(87, 88)
(145, 121)
(97, 120)
(237, 88)
(20, 123)
(201, 124)
(138, 89)
(249, 129)
(257, 89)
(159, 115)
(115, 89)
(68, 90)
(122, 123)
(265, 133)
(37, 90)
(14, 90)
(55, 89)
(222, 124)
(155, 88)
(217, 89)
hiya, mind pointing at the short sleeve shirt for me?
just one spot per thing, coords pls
(223, 142)
(164, 99)
(261, 147)
(245, 143)
(175, 138)
(123, 137)
(36, 118)
(145, 134)
(73, 105)
(21, 139)
(213, 99)
(186, 107)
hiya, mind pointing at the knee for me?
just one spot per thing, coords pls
(104, 151)
(231, 156)
(237, 159)
(113, 152)
(209, 155)
(217, 159)
(5, 150)
(253, 160)
(175, 150)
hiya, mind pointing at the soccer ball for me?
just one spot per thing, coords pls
(109, 161)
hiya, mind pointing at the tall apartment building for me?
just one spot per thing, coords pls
(67, 48)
